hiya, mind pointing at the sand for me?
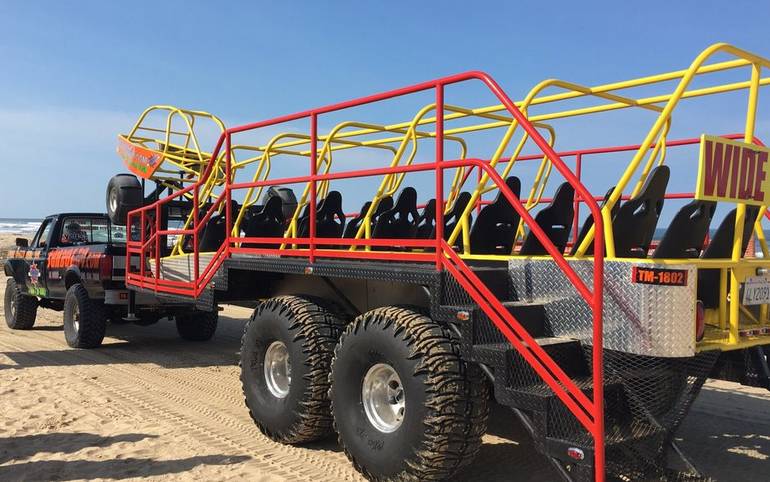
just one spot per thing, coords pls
(149, 405)
(8, 240)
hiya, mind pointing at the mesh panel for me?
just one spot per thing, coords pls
(646, 397)
(656, 395)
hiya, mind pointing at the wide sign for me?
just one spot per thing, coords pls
(733, 171)
(140, 160)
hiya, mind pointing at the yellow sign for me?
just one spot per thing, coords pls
(733, 171)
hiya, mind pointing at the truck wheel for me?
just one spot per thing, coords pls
(405, 405)
(198, 325)
(124, 193)
(20, 309)
(286, 353)
(84, 319)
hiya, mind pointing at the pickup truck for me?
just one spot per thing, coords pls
(76, 263)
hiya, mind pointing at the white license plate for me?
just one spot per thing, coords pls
(756, 291)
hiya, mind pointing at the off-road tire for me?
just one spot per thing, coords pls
(310, 332)
(124, 194)
(20, 309)
(446, 399)
(198, 325)
(88, 331)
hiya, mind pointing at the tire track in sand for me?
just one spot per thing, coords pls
(174, 399)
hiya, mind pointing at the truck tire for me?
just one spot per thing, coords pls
(286, 353)
(124, 193)
(405, 404)
(84, 319)
(20, 309)
(198, 325)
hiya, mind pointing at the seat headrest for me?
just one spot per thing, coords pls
(407, 201)
(274, 208)
(429, 211)
(385, 204)
(365, 209)
(514, 184)
(655, 185)
(332, 205)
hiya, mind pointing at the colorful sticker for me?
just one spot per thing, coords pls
(34, 273)
(37, 290)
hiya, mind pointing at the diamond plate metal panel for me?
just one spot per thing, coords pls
(642, 319)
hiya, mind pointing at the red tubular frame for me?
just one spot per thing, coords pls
(590, 412)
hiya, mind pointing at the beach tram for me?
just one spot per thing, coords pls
(415, 255)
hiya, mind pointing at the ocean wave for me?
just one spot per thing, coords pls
(19, 225)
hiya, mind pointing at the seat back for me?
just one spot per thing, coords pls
(427, 222)
(266, 223)
(687, 232)
(633, 226)
(214, 233)
(385, 204)
(589, 222)
(330, 219)
(721, 246)
(401, 221)
(495, 227)
(555, 219)
(452, 218)
(455, 214)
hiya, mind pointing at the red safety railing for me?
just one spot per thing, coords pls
(589, 412)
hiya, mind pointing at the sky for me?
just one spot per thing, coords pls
(73, 75)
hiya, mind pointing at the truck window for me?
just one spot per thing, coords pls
(41, 237)
(118, 234)
(80, 231)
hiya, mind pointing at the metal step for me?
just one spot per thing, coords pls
(496, 278)
(556, 432)
(479, 329)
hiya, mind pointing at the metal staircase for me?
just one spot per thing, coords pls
(636, 441)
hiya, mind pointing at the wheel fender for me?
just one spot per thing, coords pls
(15, 268)
(72, 276)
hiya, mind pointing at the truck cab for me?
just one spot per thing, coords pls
(76, 263)
(70, 248)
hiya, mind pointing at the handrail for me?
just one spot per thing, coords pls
(589, 412)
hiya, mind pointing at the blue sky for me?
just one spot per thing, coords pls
(75, 74)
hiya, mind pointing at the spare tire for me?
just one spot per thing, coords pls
(287, 197)
(124, 194)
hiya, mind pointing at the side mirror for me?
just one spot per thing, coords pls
(22, 242)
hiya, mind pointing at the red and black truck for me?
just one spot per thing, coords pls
(76, 263)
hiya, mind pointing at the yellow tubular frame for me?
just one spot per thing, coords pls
(579, 90)
(401, 139)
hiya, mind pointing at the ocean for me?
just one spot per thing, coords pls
(19, 225)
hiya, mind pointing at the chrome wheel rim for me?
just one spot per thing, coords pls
(277, 369)
(76, 317)
(114, 200)
(383, 398)
(13, 307)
